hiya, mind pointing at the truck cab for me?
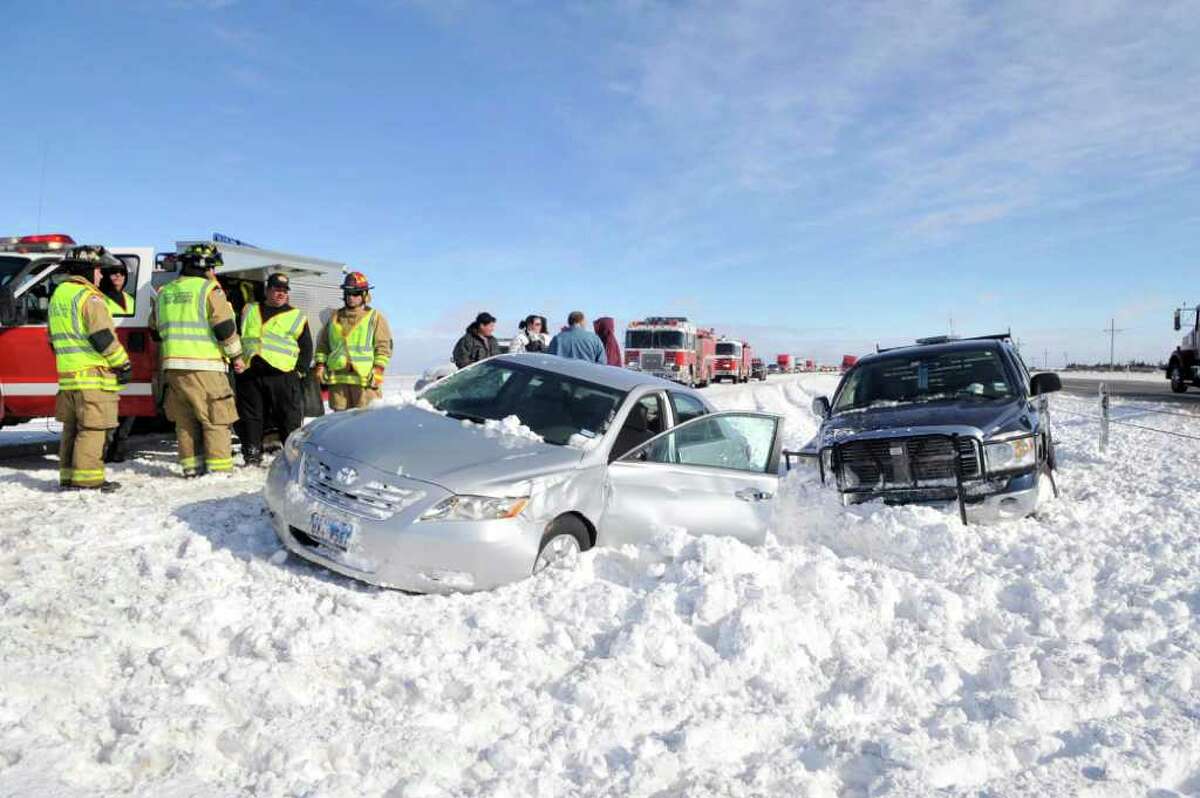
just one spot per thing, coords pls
(1183, 367)
(669, 347)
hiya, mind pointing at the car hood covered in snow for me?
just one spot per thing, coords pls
(461, 456)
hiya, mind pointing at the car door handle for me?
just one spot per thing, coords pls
(753, 495)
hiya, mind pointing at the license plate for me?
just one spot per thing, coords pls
(331, 531)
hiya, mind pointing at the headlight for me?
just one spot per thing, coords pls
(474, 508)
(1012, 455)
(294, 445)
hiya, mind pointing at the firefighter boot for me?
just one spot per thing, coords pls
(252, 455)
(103, 487)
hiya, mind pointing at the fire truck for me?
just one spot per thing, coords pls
(670, 347)
(732, 361)
(30, 271)
(848, 361)
(785, 363)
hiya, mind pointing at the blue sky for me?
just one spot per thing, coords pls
(815, 177)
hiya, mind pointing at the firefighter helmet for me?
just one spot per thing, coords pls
(201, 257)
(356, 283)
(84, 259)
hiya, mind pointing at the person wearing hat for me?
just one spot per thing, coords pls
(120, 301)
(92, 366)
(277, 349)
(477, 343)
(354, 348)
(199, 342)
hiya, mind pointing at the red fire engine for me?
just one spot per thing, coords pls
(848, 361)
(670, 347)
(785, 363)
(29, 273)
(732, 361)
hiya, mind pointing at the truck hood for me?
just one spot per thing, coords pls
(461, 457)
(982, 418)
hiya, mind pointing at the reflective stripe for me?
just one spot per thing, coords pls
(219, 463)
(88, 477)
(189, 462)
(191, 364)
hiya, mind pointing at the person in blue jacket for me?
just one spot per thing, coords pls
(577, 341)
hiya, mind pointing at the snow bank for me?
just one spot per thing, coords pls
(159, 642)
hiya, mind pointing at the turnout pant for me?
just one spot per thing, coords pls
(86, 417)
(268, 400)
(201, 405)
(350, 397)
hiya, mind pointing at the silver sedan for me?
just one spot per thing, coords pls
(515, 464)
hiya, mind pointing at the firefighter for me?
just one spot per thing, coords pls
(92, 366)
(120, 303)
(277, 349)
(354, 348)
(196, 326)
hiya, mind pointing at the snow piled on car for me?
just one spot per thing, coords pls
(158, 641)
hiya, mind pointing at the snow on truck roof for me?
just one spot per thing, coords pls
(242, 258)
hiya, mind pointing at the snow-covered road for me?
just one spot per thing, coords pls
(158, 641)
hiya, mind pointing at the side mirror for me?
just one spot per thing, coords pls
(1047, 382)
(820, 407)
(1178, 327)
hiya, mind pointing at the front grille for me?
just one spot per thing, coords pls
(898, 463)
(652, 360)
(367, 498)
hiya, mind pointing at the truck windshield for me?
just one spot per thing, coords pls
(552, 405)
(10, 267)
(653, 339)
(960, 374)
(727, 349)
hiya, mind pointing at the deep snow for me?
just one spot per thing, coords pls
(159, 642)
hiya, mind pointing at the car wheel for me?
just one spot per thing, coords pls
(1177, 383)
(561, 546)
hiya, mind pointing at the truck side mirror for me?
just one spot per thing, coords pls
(1177, 324)
(1046, 382)
(820, 407)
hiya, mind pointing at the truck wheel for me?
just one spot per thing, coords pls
(1177, 383)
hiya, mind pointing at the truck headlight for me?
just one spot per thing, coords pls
(1011, 455)
(294, 446)
(475, 508)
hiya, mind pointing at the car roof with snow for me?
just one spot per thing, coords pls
(609, 376)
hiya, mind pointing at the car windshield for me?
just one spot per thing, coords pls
(902, 379)
(552, 405)
(727, 349)
(653, 339)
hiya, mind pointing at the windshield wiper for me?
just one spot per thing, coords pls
(457, 414)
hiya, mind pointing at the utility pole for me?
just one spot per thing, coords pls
(1112, 331)
(1045, 358)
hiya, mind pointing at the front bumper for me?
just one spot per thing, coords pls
(399, 551)
(989, 502)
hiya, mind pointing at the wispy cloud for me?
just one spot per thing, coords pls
(934, 116)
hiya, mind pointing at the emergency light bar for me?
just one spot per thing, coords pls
(47, 242)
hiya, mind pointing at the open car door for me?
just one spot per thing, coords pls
(713, 475)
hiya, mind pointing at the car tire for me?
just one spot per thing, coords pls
(564, 541)
(1177, 383)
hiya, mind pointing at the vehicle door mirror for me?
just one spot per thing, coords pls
(1178, 326)
(820, 407)
(1047, 382)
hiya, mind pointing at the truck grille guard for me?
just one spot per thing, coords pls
(921, 465)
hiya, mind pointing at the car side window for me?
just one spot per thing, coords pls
(740, 442)
(646, 419)
(686, 407)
